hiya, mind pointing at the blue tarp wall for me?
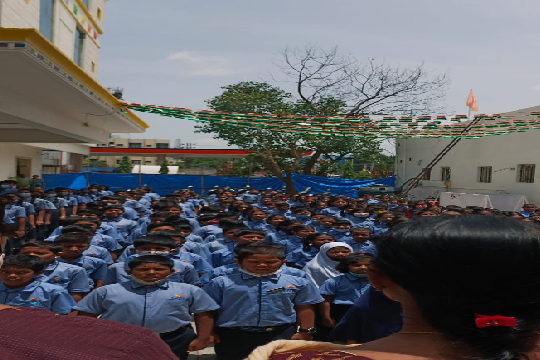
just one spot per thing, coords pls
(164, 184)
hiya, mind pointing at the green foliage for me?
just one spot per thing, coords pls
(164, 168)
(125, 165)
(363, 175)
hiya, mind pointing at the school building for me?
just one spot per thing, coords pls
(503, 164)
(50, 98)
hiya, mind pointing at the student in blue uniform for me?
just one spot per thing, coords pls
(20, 288)
(341, 292)
(271, 303)
(297, 238)
(153, 245)
(228, 241)
(97, 252)
(340, 229)
(528, 210)
(73, 248)
(257, 220)
(303, 215)
(72, 278)
(312, 243)
(359, 241)
(113, 217)
(152, 301)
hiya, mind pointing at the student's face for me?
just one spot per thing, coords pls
(427, 214)
(339, 203)
(261, 264)
(175, 211)
(322, 205)
(229, 234)
(249, 238)
(157, 220)
(361, 236)
(266, 201)
(529, 208)
(303, 212)
(165, 228)
(341, 226)
(360, 267)
(41, 252)
(276, 220)
(258, 216)
(17, 276)
(185, 232)
(327, 222)
(304, 233)
(113, 213)
(316, 218)
(338, 253)
(74, 249)
(151, 272)
(386, 218)
(321, 240)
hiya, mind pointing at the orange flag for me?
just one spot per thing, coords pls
(471, 102)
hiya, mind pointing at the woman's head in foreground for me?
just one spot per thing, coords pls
(457, 267)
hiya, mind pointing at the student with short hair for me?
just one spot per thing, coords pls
(272, 303)
(71, 277)
(312, 243)
(73, 248)
(93, 250)
(360, 242)
(20, 288)
(151, 300)
(240, 237)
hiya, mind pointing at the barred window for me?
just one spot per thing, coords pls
(526, 173)
(427, 174)
(484, 174)
(445, 173)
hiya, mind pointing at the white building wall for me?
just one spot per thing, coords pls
(19, 14)
(503, 153)
(9, 153)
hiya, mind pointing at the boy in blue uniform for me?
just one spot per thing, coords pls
(359, 241)
(152, 301)
(271, 303)
(73, 248)
(72, 278)
(241, 237)
(20, 288)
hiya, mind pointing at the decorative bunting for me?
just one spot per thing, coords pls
(362, 126)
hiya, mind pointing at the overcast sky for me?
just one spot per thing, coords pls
(180, 52)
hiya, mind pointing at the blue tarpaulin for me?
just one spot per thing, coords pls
(164, 184)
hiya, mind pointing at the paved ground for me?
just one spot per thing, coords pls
(206, 354)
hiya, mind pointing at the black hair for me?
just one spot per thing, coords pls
(116, 207)
(204, 218)
(90, 211)
(168, 233)
(150, 259)
(484, 252)
(261, 249)
(353, 230)
(163, 214)
(183, 227)
(155, 240)
(228, 223)
(343, 266)
(248, 231)
(52, 246)
(77, 229)
(301, 208)
(300, 228)
(27, 261)
(155, 225)
(73, 219)
(342, 222)
(312, 237)
(73, 237)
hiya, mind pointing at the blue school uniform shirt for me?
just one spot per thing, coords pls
(360, 222)
(38, 295)
(201, 265)
(224, 243)
(106, 242)
(194, 238)
(197, 249)
(301, 257)
(208, 230)
(304, 219)
(160, 308)
(333, 211)
(99, 253)
(13, 212)
(526, 213)
(380, 228)
(256, 224)
(222, 257)
(293, 243)
(366, 247)
(234, 268)
(130, 213)
(96, 269)
(183, 273)
(264, 301)
(28, 207)
(346, 288)
(124, 226)
(70, 277)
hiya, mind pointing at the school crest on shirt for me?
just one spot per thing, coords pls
(289, 289)
(89, 269)
(178, 297)
(35, 301)
(57, 279)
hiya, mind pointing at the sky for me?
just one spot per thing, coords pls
(181, 52)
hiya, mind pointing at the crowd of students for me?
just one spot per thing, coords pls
(250, 266)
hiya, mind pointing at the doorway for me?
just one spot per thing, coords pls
(23, 167)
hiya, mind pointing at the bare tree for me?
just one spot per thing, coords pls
(366, 88)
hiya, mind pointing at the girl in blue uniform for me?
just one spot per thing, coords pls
(312, 243)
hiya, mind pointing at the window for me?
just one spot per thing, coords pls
(86, 3)
(135, 145)
(426, 175)
(99, 14)
(119, 145)
(136, 162)
(148, 162)
(46, 18)
(79, 45)
(484, 174)
(445, 173)
(93, 67)
(118, 162)
(526, 173)
(162, 145)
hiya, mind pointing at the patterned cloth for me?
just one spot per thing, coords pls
(32, 334)
(318, 355)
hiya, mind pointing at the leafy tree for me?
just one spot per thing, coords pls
(125, 165)
(164, 168)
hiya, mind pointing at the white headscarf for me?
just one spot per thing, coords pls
(321, 267)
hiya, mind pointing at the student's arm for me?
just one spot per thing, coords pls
(305, 317)
(40, 218)
(77, 296)
(204, 323)
(98, 283)
(324, 309)
(82, 313)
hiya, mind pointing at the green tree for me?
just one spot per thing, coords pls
(125, 165)
(164, 168)
(282, 153)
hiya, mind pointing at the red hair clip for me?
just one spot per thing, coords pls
(483, 321)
